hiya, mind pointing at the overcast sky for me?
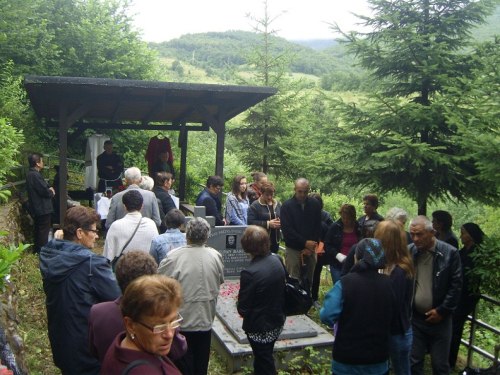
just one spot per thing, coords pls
(162, 20)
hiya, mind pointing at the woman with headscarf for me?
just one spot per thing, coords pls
(363, 303)
(471, 236)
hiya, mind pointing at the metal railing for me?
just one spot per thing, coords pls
(475, 323)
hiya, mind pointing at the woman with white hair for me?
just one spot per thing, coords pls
(200, 271)
(400, 215)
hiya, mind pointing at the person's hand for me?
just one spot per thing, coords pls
(306, 252)
(109, 167)
(224, 220)
(274, 224)
(59, 234)
(433, 316)
(311, 245)
(53, 191)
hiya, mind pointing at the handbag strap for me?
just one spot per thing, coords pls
(139, 362)
(287, 275)
(130, 239)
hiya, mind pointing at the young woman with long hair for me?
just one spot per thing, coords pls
(402, 273)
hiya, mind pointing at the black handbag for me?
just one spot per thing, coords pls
(493, 370)
(298, 301)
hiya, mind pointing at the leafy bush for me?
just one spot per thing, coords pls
(485, 275)
(8, 256)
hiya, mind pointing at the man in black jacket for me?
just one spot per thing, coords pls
(40, 196)
(438, 288)
(301, 227)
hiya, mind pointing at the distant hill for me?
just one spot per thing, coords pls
(316, 44)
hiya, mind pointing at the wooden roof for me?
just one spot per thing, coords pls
(129, 104)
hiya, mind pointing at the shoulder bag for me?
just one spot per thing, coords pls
(115, 260)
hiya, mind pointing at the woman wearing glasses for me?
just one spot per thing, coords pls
(149, 309)
(74, 279)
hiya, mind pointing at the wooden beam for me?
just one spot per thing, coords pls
(221, 134)
(64, 124)
(104, 125)
(154, 111)
(207, 116)
(77, 114)
(183, 141)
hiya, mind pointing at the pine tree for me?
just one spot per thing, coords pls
(399, 138)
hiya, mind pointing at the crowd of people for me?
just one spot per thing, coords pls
(147, 305)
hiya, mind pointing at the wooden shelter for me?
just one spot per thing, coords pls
(77, 104)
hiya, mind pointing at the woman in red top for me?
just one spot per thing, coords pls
(149, 309)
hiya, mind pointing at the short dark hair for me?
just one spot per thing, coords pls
(34, 158)
(214, 181)
(108, 142)
(79, 217)
(255, 240)
(372, 198)
(444, 218)
(258, 175)
(162, 177)
(317, 196)
(133, 200)
(132, 265)
(174, 219)
(268, 187)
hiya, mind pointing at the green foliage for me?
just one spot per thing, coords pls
(8, 257)
(485, 276)
(10, 139)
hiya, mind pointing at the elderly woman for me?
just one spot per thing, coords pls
(471, 236)
(74, 279)
(402, 273)
(146, 183)
(106, 321)
(200, 271)
(165, 202)
(265, 212)
(400, 215)
(363, 303)
(341, 236)
(261, 300)
(149, 308)
(237, 202)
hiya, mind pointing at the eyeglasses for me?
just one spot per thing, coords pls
(96, 231)
(162, 327)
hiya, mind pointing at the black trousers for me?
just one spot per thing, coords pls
(465, 307)
(320, 259)
(41, 233)
(263, 361)
(195, 361)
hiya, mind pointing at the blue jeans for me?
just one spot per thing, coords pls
(335, 272)
(400, 352)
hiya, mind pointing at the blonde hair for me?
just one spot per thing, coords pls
(393, 237)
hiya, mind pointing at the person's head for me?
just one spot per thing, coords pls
(239, 186)
(368, 229)
(442, 221)
(268, 189)
(393, 237)
(259, 178)
(164, 156)
(133, 176)
(369, 255)
(317, 196)
(133, 201)
(174, 219)
(471, 234)
(147, 183)
(215, 184)
(370, 204)
(80, 225)
(422, 232)
(301, 189)
(35, 160)
(164, 180)
(108, 147)
(397, 213)
(149, 308)
(134, 264)
(347, 214)
(255, 241)
(197, 231)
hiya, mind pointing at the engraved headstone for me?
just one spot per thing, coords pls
(227, 240)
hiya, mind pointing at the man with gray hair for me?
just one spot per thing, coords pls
(438, 288)
(301, 228)
(116, 209)
(200, 271)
